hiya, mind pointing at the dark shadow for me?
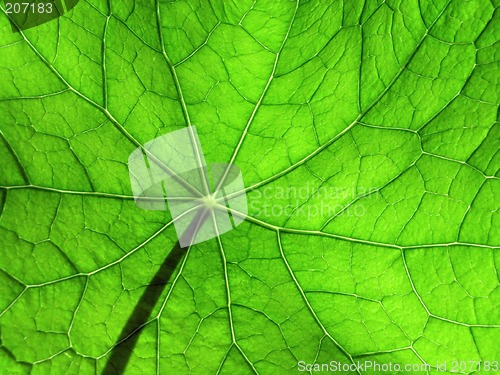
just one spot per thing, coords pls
(120, 355)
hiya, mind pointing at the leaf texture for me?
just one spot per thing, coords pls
(367, 135)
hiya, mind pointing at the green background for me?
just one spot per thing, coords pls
(392, 103)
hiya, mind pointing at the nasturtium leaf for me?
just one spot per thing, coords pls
(367, 136)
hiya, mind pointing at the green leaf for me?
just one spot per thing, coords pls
(367, 135)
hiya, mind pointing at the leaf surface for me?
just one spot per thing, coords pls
(367, 135)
